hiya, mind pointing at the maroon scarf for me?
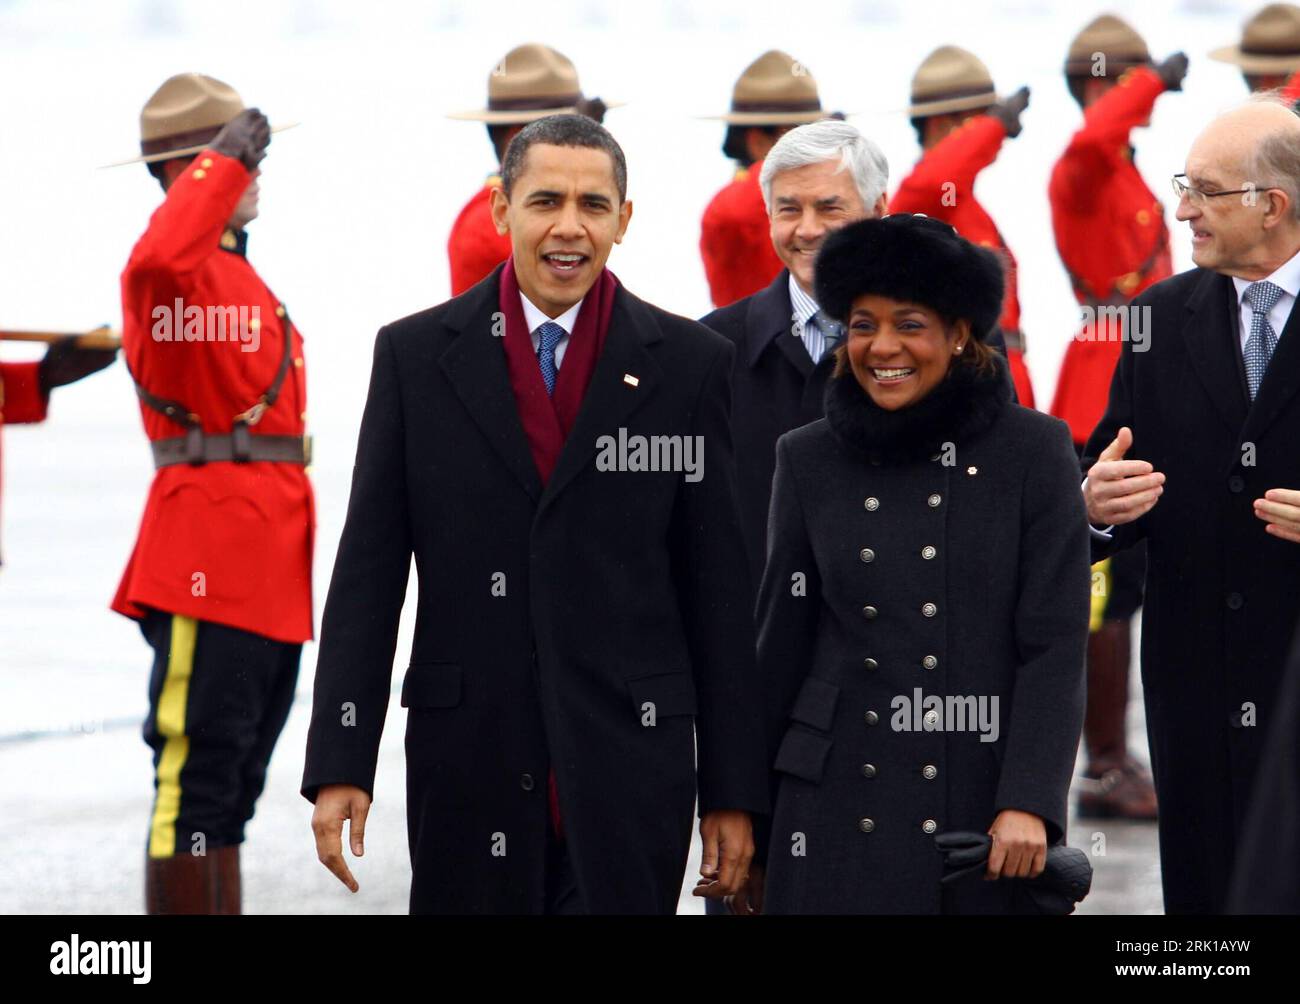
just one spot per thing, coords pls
(548, 419)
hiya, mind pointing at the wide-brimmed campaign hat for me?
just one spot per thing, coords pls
(775, 89)
(1270, 42)
(530, 83)
(951, 79)
(184, 115)
(1112, 37)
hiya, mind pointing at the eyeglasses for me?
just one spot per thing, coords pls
(1197, 197)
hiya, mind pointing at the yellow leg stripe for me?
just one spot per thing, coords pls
(171, 724)
(1101, 582)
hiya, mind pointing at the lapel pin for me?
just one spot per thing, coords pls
(972, 471)
(630, 380)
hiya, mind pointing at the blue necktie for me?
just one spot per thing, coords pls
(549, 335)
(832, 333)
(1263, 297)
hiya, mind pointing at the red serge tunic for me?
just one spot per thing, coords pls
(475, 248)
(224, 542)
(20, 396)
(1111, 236)
(942, 185)
(736, 240)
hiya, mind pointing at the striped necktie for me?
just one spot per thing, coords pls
(832, 333)
(1263, 297)
(549, 336)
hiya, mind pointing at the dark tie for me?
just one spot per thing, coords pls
(549, 335)
(1263, 297)
(832, 333)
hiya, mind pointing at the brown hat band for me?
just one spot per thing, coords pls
(178, 141)
(809, 105)
(533, 104)
(1282, 48)
(953, 95)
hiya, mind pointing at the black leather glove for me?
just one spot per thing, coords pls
(1172, 71)
(1009, 109)
(65, 363)
(1065, 881)
(245, 137)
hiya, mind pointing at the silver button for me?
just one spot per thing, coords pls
(929, 772)
(929, 610)
(934, 501)
(872, 718)
(869, 612)
(931, 717)
(928, 552)
(866, 825)
(929, 662)
(867, 554)
(872, 504)
(870, 663)
(868, 770)
(929, 826)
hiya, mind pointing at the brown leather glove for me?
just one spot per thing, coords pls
(1172, 71)
(245, 137)
(1009, 109)
(65, 363)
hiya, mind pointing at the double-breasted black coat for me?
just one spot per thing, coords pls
(584, 627)
(1222, 594)
(898, 571)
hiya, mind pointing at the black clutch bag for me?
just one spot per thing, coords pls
(1065, 881)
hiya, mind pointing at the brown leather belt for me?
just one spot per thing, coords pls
(240, 447)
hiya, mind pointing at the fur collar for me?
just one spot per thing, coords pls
(957, 410)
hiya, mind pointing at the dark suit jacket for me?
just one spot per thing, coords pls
(583, 627)
(1222, 595)
(775, 388)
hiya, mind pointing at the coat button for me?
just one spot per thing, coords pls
(1236, 484)
(870, 664)
(869, 612)
(867, 554)
(872, 718)
(871, 504)
(866, 825)
(868, 770)
(934, 500)
(929, 610)
(526, 782)
(1235, 601)
(929, 772)
(929, 826)
(929, 662)
(928, 552)
(931, 718)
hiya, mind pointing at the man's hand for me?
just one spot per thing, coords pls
(1118, 490)
(727, 834)
(245, 137)
(1009, 109)
(749, 901)
(1280, 510)
(1172, 71)
(335, 803)
(1019, 846)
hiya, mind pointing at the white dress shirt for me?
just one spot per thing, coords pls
(1286, 278)
(535, 318)
(803, 307)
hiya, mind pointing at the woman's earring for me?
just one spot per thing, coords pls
(958, 349)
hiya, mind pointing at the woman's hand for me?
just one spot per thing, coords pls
(1019, 845)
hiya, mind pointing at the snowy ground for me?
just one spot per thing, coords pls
(356, 207)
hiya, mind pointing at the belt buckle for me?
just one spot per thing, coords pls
(306, 450)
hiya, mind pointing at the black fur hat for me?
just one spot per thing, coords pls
(912, 258)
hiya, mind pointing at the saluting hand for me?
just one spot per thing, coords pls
(1172, 71)
(245, 137)
(335, 803)
(1118, 490)
(1009, 109)
(1280, 510)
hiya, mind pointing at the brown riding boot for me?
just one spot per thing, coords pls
(1114, 784)
(193, 884)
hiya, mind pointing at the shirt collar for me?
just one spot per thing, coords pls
(534, 317)
(1287, 278)
(802, 305)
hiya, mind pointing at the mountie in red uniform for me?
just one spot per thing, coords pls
(942, 185)
(21, 399)
(220, 541)
(736, 240)
(474, 247)
(1111, 236)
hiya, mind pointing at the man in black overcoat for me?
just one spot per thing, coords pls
(583, 602)
(1197, 455)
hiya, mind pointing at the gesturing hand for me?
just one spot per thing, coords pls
(1118, 490)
